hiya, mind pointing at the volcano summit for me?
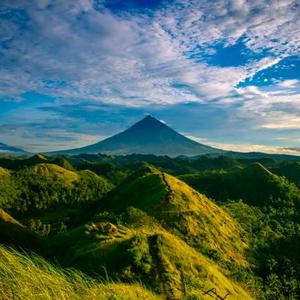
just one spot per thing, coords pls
(148, 136)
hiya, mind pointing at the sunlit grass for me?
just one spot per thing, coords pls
(31, 277)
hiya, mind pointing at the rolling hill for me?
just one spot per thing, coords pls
(181, 210)
(255, 184)
(148, 136)
(149, 227)
(15, 234)
(290, 170)
(144, 253)
(47, 197)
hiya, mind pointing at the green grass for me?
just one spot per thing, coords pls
(3, 172)
(55, 171)
(152, 229)
(32, 278)
(181, 210)
(146, 253)
(33, 191)
(13, 232)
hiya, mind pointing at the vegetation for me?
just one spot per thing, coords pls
(99, 224)
(255, 184)
(148, 254)
(31, 277)
(182, 211)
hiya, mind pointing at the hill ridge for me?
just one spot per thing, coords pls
(180, 209)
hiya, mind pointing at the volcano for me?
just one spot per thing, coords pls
(148, 136)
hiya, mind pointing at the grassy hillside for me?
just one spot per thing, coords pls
(14, 163)
(290, 170)
(3, 172)
(53, 171)
(114, 173)
(273, 234)
(254, 183)
(145, 253)
(49, 198)
(14, 233)
(7, 189)
(182, 210)
(149, 227)
(45, 186)
(31, 277)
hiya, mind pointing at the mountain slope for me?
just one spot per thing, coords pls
(14, 163)
(255, 184)
(34, 191)
(11, 150)
(290, 170)
(32, 277)
(181, 210)
(148, 136)
(147, 254)
(14, 233)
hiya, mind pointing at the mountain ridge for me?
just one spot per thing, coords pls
(7, 149)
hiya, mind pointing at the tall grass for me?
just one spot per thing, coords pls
(31, 277)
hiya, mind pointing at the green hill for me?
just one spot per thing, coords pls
(31, 277)
(114, 173)
(214, 163)
(290, 170)
(53, 171)
(49, 198)
(63, 162)
(255, 184)
(152, 228)
(14, 163)
(7, 188)
(146, 253)
(14, 233)
(182, 210)
(45, 186)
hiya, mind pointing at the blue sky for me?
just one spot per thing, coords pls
(226, 73)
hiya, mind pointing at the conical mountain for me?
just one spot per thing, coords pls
(148, 136)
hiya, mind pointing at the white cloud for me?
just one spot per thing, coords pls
(35, 140)
(135, 59)
(292, 83)
(249, 147)
(280, 120)
(140, 60)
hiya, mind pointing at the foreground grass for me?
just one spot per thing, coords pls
(31, 277)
